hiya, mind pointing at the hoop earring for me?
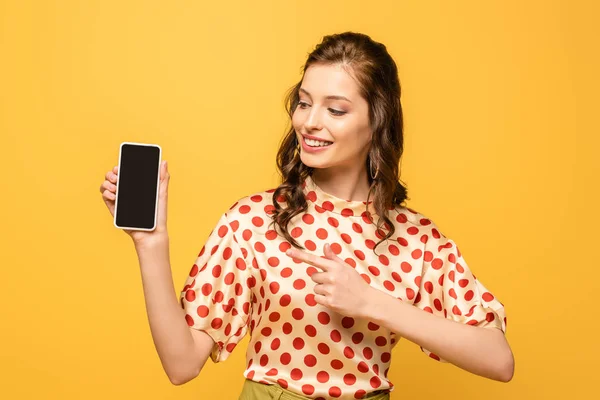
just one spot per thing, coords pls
(371, 168)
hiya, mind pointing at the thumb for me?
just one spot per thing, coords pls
(164, 175)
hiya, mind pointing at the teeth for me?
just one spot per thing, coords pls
(316, 143)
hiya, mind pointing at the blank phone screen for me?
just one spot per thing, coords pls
(137, 186)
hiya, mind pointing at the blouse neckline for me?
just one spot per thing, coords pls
(324, 201)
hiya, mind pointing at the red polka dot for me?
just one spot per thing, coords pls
(375, 382)
(299, 284)
(283, 383)
(335, 391)
(274, 287)
(202, 311)
(275, 344)
(285, 300)
(357, 337)
(297, 314)
(266, 331)
(321, 233)
(386, 357)
(206, 289)
(310, 330)
(336, 248)
(308, 389)
(336, 336)
(257, 221)
(349, 379)
(274, 317)
(362, 367)
(285, 358)
(296, 374)
(487, 296)
(323, 348)
(298, 343)
(308, 219)
(347, 322)
(322, 376)
(264, 360)
(359, 254)
(323, 317)
(348, 352)
(310, 360)
(372, 326)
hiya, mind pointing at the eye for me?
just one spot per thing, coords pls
(336, 112)
(301, 104)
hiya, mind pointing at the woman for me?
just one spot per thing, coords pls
(327, 271)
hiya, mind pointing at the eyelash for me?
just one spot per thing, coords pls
(335, 112)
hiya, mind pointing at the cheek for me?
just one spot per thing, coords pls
(296, 121)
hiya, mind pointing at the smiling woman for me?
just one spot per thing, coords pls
(298, 266)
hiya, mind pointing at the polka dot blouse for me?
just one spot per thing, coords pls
(243, 282)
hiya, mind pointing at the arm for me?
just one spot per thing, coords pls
(482, 351)
(182, 351)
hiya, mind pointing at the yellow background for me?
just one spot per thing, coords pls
(500, 100)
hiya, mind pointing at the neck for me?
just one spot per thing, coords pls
(350, 185)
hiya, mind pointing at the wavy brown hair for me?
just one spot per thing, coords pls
(377, 76)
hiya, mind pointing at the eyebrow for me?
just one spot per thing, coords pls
(329, 97)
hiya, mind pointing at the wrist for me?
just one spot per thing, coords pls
(151, 242)
(370, 302)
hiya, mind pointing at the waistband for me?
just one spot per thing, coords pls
(253, 390)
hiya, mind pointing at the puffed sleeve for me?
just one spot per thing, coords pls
(449, 288)
(216, 296)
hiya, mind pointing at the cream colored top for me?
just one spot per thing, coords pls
(243, 282)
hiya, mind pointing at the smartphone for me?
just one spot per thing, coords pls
(138, 177)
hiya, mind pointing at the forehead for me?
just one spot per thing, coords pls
(325, 80)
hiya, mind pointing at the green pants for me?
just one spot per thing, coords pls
(258, 391)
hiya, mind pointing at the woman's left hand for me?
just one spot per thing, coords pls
(339, 286)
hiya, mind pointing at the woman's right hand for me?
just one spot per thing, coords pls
(109, 195)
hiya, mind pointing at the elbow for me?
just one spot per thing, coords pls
(507, 369)
(179, 380)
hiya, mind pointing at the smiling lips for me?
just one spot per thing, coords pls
(313, 146)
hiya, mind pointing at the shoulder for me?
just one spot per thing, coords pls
(252, 208)
(409, 221)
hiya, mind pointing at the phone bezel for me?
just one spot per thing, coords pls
(157, 186)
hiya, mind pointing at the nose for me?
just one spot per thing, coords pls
(312, 121)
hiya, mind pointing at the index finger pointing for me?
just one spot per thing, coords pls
(319, 262)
